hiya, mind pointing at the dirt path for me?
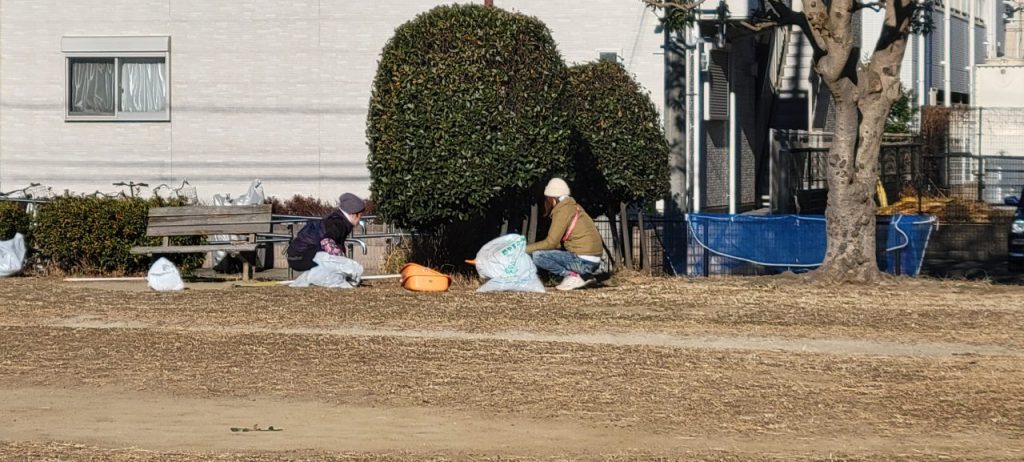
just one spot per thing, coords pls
(116, 418)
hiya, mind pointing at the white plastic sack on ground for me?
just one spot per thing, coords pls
(331, 271)
(504, 261)
(163, 276)
(12, 255)
(253, 196)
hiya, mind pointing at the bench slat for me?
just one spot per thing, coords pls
(190, 221)
(195, 229)
(263, 219)
(158, 249)
(195, 210)
(159, 231)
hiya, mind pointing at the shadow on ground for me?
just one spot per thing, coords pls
(994, 270)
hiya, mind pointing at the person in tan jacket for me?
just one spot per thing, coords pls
(572, 250)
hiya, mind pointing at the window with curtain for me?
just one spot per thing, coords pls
(143, 85)
(130, 86)
(92, 86)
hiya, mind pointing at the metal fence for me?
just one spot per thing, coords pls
(983, 156)
(661, 249)
(800, 169)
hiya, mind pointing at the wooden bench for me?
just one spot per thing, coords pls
(244, 221)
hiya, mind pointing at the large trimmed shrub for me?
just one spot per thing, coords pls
(619, 148)
(467, 110)
(13, 219)
(94, 235)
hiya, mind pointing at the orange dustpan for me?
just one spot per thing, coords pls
(419, 278)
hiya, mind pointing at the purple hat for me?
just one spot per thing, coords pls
(351, 203)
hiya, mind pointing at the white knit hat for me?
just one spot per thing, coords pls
(556, 188)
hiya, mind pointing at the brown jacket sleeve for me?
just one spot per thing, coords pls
(561, 216)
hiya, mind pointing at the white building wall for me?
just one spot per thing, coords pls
(259, 88)
(1001, 96)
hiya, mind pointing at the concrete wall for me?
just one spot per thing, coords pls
(969, 241)
(259, 88)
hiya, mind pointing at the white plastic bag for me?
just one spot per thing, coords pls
(331, 271)
(12, 255)
(163, 276)
(505, 262)
(254, 196)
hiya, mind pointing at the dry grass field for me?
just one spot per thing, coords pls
(644, 368)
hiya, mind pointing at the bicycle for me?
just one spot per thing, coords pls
(186, 191)
(31, 195)
(22, 193)
(102, 195)
(134, 187)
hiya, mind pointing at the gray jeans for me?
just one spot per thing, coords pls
(562, 263)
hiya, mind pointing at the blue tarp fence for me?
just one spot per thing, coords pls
(726, 244)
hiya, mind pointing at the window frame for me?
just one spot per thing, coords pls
(118, 49)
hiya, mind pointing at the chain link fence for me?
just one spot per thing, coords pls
(980, 154)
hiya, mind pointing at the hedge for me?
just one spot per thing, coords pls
(13, 219)
(619, 148)
(468, 108)
(94, 235)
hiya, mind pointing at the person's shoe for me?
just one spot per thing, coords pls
(572, 282)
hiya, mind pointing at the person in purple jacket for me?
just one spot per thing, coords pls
(327, 235)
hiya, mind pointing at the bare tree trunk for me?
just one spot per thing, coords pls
(863, 93)
(850, 216)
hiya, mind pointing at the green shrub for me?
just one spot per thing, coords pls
(13, 219)
(94, 235)
(619, 149)
(467, 114)
(901, 113)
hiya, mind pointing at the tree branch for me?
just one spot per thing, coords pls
(881, 82)
(759, 26)
(897, 23)
(840, 19)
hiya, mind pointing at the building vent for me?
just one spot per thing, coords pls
(718, 86)
(611, 56)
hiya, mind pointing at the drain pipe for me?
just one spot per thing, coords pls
(688, 136)
(698, 115)
(971, 5)
(947, 91)
(733, 202)
(922, 91)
